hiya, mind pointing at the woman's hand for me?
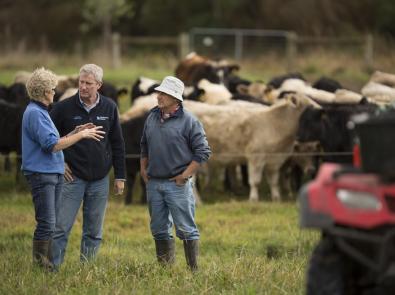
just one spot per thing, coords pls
(68, 175)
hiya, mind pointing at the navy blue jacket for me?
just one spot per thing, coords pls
(90, 159)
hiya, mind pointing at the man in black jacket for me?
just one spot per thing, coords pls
(87, 163)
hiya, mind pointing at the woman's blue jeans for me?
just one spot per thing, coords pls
(168, 203)
(46, 190)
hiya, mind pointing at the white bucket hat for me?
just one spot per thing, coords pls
(172, 86)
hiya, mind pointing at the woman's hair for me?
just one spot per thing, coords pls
(94, 70)
(40, 81)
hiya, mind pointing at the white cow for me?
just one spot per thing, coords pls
(140, 106)
(383, 78)
(261, 137)
(322, 96)
(379, 93)
(244, 132)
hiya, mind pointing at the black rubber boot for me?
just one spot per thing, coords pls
(191, 248)
(42, 253)
(165, 251)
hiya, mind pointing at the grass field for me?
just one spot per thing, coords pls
(245, 249)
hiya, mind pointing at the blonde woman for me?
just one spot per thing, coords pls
(42, 159)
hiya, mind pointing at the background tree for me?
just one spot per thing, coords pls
(63, 23)
(104, 13)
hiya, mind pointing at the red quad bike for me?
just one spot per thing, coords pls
(355, 211)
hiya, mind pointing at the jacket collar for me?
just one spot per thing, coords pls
(79, 103)
(40, 104)
(177, 113)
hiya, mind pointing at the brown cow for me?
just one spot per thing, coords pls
(195, 68)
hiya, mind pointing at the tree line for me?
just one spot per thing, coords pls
(62, 23)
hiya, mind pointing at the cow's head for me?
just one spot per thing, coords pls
(305, 153)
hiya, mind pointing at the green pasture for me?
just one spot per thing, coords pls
(245, 249)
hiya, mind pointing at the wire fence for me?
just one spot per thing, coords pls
(235, 155)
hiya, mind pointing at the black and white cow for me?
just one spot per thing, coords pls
(143, 86)
(277, 81)
(110, 90)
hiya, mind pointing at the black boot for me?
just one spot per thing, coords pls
(191, 248)
(42, 253)
(165, 251)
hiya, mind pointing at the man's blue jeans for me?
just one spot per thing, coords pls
(46, 189)
(93, 195)
(168, 203)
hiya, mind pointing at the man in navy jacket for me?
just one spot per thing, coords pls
(87, 163)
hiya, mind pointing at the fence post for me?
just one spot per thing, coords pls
(8, 44)
(21, 46)
(116, 50)
(238, 45)
(78, 52)
(183, 45)
(369, 51)
(291, 48)
(44, 45)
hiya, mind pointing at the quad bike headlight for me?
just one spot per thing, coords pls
(358, 200)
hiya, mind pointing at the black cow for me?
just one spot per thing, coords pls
(3, 92)
(234, 81)
(328, 126)
(10, 124)
(15, 94)
(327, 84)
(132, 131)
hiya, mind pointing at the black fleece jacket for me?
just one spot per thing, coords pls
(90, 159)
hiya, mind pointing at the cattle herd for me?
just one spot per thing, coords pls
(282, 129)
